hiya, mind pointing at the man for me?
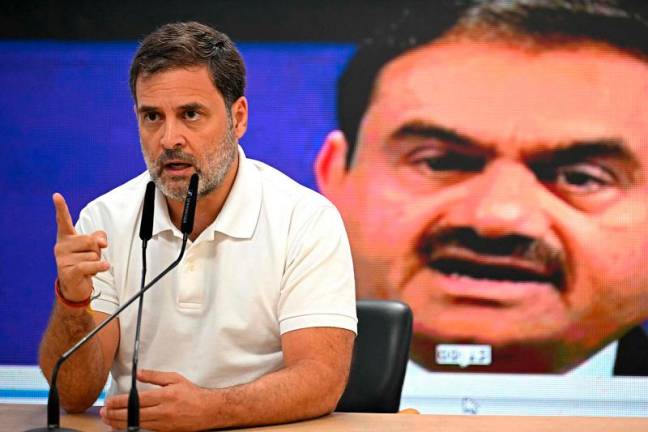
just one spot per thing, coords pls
(492, 172)
(256, 325)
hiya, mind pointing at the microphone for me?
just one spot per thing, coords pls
(53, 414)
(189, 212)
(146, 232)
(146, 226)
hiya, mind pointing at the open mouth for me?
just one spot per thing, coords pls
(177, 166)
(497, 271)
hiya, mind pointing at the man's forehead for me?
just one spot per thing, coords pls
(180, 82)
(498, 91)
(501, 60)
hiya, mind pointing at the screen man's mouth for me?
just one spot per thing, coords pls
(497, 270)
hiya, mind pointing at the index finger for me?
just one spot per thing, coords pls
(158, 377)
(116, 401)
(63, 219)
(147, 398)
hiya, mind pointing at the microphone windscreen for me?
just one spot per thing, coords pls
(146, 226)
(190, 206)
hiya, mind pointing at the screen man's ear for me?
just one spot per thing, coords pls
(330, 164)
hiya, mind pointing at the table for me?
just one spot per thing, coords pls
(20, 417)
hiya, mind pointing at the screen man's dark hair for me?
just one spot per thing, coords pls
(622, 24)
(181, 45)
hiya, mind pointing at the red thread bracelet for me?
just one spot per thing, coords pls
(66, 302)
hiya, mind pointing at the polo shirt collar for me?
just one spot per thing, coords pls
(240, 213)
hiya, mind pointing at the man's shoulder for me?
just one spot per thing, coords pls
(124, 193)
(119, 203)
(302, 213)
(280, 188)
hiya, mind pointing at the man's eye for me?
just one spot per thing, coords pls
(583, 178)
(151, 116)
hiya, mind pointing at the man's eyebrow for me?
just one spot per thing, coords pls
(582, 150)
(419, 129)
(192, 106)
(142, 109)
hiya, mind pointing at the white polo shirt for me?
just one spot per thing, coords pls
(275, 259)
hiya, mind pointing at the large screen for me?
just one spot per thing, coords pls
(500, 191)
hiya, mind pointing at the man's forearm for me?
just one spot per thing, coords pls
(316, 369)
(84, 374)
(306, 390)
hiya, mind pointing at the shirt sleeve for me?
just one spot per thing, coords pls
(103, 283)
(318, 288)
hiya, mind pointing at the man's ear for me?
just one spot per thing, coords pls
(330, 164)
(239, 112)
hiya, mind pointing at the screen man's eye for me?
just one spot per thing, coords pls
(192, 115)
(453, 162)
(583, 178)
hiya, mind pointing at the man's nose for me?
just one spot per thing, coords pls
(502, 200)
(172, 135)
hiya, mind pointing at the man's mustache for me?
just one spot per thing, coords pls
(530, 258)
(175, 155)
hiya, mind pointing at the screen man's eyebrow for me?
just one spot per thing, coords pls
(580, 151)
(425, 130)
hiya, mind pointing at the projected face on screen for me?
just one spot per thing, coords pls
(502, 193)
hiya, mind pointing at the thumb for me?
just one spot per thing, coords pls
(158, 377)
(101, 237)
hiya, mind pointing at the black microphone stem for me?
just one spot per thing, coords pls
(133, 396)
(53, 415)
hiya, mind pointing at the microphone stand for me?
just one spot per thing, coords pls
(53, 414)
(186, 227)
(146, 232)
(133, 396)
(53, 407)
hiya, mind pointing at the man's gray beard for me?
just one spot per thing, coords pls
(211, 177)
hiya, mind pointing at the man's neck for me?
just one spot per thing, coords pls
(207, 208)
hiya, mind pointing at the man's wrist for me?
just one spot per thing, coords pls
(213, 409)
(73, 304)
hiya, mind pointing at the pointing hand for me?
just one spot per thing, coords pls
(78, 256)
